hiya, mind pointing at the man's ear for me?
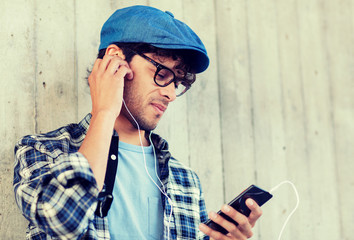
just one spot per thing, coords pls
(114, 50)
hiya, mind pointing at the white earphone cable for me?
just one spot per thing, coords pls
(296, 206)
(162, 191)
(170, 201)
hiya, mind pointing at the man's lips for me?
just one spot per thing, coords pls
(160, 107)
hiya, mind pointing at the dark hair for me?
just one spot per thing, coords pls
(175, 54)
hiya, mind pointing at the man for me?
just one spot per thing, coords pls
(146, 59)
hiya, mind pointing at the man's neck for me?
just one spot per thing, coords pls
(129, 134)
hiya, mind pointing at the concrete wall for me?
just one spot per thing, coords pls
(276, 103)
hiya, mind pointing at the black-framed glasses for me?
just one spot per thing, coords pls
(164, 76)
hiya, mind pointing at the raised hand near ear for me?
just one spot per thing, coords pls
(107, 83)
(106, 86)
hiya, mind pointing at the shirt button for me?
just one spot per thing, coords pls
(113, 157)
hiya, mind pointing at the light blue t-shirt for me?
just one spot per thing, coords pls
(136, 212)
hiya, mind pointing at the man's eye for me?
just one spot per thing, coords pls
(163, 74)
(160, 76)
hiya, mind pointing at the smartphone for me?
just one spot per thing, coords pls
(259, 195)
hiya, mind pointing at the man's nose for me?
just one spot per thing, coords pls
(169, 92)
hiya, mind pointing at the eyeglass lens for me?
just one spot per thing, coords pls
(164, 77)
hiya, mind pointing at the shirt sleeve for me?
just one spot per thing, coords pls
(203, 216)
(202, 211)
(55, 191)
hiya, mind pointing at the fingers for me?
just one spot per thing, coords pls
(256, 211)
(240, 232)
(244, 227)
(94, 70)
(245, 224)
(212, 233)
(96, 65)
(113, 65)
(121, 70)
(110, 67)
(107, 84)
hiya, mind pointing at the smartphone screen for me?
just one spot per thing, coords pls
(259, 195)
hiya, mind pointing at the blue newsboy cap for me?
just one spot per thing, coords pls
(143, 24)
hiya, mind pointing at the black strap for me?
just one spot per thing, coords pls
(105, 197)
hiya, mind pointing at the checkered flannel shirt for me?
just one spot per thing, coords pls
(57, 193)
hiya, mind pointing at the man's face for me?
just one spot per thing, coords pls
(145, 100)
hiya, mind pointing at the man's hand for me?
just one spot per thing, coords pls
(240, 232)
(107, 83)
(106, 86)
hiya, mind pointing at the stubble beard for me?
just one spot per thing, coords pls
(134, 104)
